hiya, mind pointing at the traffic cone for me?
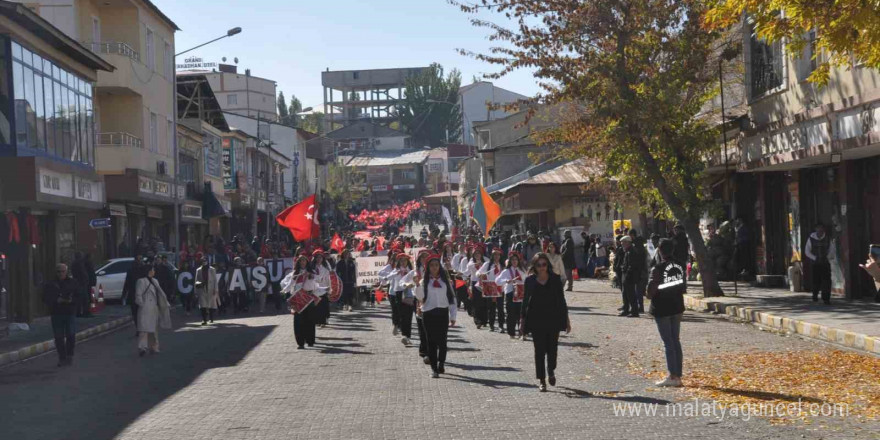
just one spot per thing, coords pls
(97, 301)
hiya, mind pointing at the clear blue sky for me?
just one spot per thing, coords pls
(293, 41)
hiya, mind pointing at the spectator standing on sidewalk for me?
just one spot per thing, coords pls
(682, 248)
(818, 248)
(568, 259)
(666, 292)
(60, 297)
(545, 314)
(153, 312)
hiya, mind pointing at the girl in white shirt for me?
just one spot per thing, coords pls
(383, 281)
(419, 274)
(509, 279)
(438, 312)
(481, 312)
(321, 269)
(302, 279)
(401, 282)
(494, 305)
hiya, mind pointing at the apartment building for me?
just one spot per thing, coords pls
(49, 187)
(244, 94)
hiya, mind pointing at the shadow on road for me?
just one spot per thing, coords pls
(608, 395)
(109, 386)
(496, 384)
(466, 367)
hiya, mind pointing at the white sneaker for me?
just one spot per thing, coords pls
(394, 331)
(669, 382)
(404, 340)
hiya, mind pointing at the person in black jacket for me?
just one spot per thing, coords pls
(60, 296)
(681, 247)
(347, 271)
(545, 314)
(165, 276)
(80, 274)
(568, 259)
(666, 292)
(128, 292)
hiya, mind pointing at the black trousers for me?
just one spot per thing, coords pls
(394, 300)
(134, 314)
(348, 294)
(304, 326)
(461, 295)
(240, 300)
(423, 339)
(514, 309)
(436, 331)
(404, 316)
(630, 297)
(481, 309)
(546, 345)
(64, 330)
(822, 281)
(207, 314)
(322, 311)
(499, 307)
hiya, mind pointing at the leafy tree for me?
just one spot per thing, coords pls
(430, 108)
(346, 187)
(844, 29)
(314, 123)
(283, 114)
(294, 109)
(635, 76)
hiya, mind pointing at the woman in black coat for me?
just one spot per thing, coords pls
(545, 314)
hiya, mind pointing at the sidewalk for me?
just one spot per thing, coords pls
(20, 345)
(852, 324)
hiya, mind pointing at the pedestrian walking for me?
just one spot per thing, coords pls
(346, 269)
(301, 279)
(438, 312)
(568, 260)
(511, 281)
(60, 296)
(153, 312)
(321, 269)
(545, 314)
(165, 276)
(207, 291)
(481, 312)
(135, 273)
(666, 291)
(818, 250)
(80, 274)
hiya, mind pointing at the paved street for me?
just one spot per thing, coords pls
(243, 379)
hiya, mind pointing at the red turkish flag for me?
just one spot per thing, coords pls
(301, 219)
(337, 243)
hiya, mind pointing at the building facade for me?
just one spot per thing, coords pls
(354, 95)
(476, 101)
(244, 94)
(49, 185)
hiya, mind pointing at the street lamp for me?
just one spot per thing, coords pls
(229, 33)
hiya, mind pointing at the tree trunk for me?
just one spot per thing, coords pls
(691, 224)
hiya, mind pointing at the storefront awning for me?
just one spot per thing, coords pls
(523, 212)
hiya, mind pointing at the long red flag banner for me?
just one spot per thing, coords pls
(375, 219)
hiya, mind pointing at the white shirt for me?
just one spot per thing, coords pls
(456, 261)
(507, 279)
(490, 269)
(399, 279)
(292, 284)
(322, 280)
(436, 297)
(472, 268)
(462, 264)
(385, 271)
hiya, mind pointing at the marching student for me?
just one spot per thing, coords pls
(545, 314)
(420, 271)
(490, 271)
(438, 312)
(461, 253)
(477, 301)
(511, 280)
(401, 281)
(300, 282)
(448, 256)
(320, 267)
(392, 298)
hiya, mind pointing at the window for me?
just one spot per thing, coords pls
(53, 108)
(154, 133)
(187, 169)
(404, 175)
(169, 61)
(232, 99)
(151, 50)
(767, 68)
(356, 75)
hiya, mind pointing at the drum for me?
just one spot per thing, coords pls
(299, 301)
(490, 289)
(335, 287)
(519, 293)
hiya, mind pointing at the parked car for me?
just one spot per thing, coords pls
(111, 277)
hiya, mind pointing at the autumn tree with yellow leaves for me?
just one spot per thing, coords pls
(843, 32)
(638, 74)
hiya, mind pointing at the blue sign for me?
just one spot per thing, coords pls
(99, 223)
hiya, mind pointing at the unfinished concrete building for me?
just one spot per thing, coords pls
(356, 95)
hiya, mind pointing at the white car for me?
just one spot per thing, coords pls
(111, 277)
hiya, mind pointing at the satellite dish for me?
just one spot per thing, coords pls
(236, 60)
(224, 59)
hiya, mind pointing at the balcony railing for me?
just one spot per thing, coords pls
(120, 139)
(116, 48)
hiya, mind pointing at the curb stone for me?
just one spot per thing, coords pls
(855, 341)
(42, 347)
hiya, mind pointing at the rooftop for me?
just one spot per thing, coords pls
(387, 158)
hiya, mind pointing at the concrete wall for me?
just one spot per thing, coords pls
(473, 101)
(253, 94)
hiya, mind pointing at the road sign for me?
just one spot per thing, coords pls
(99, 223)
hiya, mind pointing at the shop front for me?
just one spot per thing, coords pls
(142, 207)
